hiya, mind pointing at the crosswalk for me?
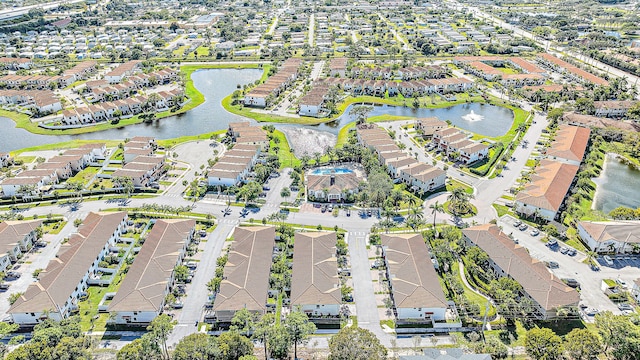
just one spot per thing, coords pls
(358, 233)
(228, 221)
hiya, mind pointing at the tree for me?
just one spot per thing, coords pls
(299, 328)
(250, 191)
(125, 183)
(181, 272)
(354, 343)
(279, 342)
(159, 330)
(285, 192)
(619, 336)
(234, 346)
(543, 344)
(459, 201)
(435, 209)
(582, 344)
(555, 114)
(360, 112)
(244, 321)
(262, 329)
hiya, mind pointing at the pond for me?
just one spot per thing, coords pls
(483, 119)
(617, 185)
(210, 116)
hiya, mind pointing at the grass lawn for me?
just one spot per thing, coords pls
(472, 296)
(453, 183)
(502, 210)
(85, 175)
(285, 155)
(169, 143)
(53, 227)
(89, 307)
(343, 134)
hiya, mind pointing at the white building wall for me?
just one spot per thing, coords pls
(436, 314)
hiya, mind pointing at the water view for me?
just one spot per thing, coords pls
(482, 119)
(215, 84)
(617, 186)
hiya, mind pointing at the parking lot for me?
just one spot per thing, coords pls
(573, 267)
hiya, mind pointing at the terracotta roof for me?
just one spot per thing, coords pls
(414, 281)
(143, 289)
(536, 280)
(549, 185)
(246, 274)
(570, 143)
(63, 274)
(315, 270)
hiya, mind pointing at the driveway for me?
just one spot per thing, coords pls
(197, 293)
(276, 185)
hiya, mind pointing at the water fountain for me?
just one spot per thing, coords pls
(473, 117)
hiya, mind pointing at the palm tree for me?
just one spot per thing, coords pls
(415, 218)
(458, 199)
(435, 209)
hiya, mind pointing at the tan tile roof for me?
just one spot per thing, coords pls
(549, 185)
(536, 280)
(315, 269)
(414, 281)
(246, 274)
(58, 281)
(570, 143)
(620, 231)
(347, 181)
(12, 232)
(143, 289)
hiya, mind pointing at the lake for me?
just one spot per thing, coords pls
(210, 116)
(617, 185)
(483, 119)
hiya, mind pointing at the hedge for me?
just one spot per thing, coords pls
(484, 169)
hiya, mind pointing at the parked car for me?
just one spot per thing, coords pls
(192, 265)
(571, 282)
(523, 227)
(625, 306)
(177, 305)
(4, 287)
(517, 223)
(535, 232)
(552, 264)
(564, 250)
(621, 283)
(607, 259)
(552, 243)
(12, 275)
(572, 252)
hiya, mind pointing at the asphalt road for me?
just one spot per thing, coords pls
(197, 293)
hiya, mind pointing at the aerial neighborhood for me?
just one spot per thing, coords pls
(278, 179)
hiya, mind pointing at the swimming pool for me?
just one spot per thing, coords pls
(328, 171)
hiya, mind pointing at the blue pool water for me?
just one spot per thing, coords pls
(327, 171)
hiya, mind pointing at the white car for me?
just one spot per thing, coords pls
(535, 232)
(607, 259)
